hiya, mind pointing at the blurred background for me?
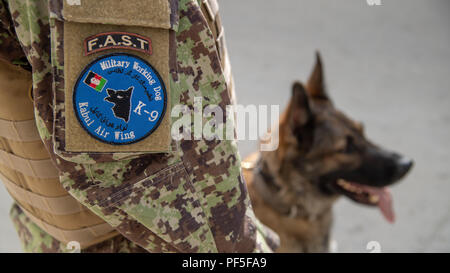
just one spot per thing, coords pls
(388, 66)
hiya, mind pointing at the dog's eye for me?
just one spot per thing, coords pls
(349, 146)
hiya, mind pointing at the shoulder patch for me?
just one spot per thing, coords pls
(119, 99)
(108, 40)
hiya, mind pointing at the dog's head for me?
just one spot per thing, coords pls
(331, 151)
(122, 102)
(119, 96)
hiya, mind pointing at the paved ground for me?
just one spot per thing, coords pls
(388, 66)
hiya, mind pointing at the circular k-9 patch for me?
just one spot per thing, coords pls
(119, 99)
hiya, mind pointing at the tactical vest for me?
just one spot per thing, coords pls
(25, 165)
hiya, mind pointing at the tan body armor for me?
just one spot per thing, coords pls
(28, 173)
(25, 166)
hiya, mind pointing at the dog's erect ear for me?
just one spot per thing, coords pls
(301, 117)
(130, 89)
(300, 112)
(110, 92)
(316, 83)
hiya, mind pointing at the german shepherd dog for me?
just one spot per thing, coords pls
(322, 154)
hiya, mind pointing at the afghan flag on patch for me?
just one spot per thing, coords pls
(95, 81)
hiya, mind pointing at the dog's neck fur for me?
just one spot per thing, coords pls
(280, 190)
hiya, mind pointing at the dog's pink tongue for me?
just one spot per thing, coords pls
(385, 201)
(385, 204)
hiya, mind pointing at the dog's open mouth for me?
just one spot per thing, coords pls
(368, 195)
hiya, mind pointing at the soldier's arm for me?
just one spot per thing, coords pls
(10, 49)
(96, 65)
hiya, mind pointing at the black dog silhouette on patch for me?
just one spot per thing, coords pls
(122, 102)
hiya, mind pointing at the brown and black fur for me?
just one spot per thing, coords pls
(294, 187)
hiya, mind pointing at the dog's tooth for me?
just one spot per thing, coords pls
(374, 199)
(347, 186)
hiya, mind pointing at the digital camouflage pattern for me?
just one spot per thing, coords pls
(193, 199)
(10, 49)
(35, 240)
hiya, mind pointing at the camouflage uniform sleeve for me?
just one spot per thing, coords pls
(10, 49)
(192, 199)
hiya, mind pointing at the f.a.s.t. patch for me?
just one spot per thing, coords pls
(108, 40)
(119, 99)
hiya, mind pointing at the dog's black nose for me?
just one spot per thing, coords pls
(404, 164)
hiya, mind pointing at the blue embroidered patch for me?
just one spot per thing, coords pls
(119, 99)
